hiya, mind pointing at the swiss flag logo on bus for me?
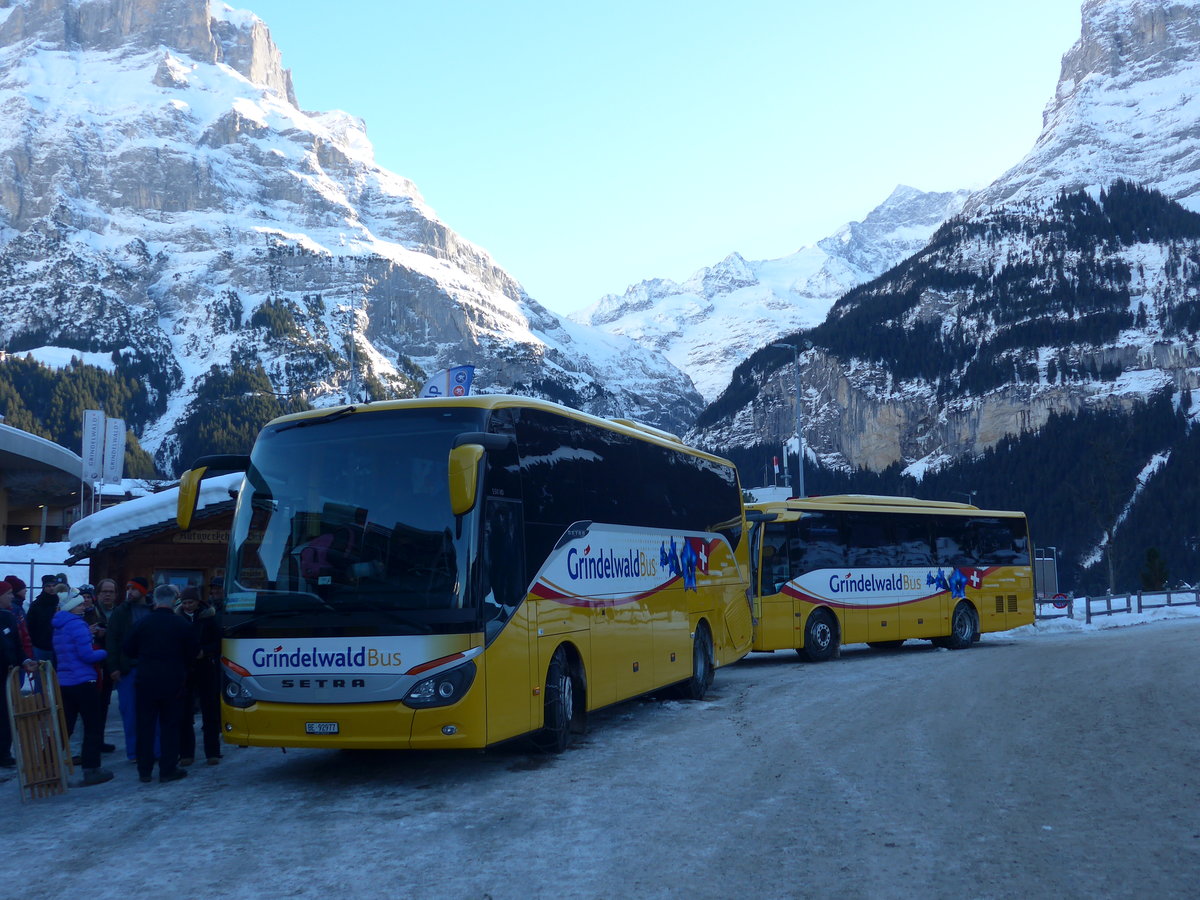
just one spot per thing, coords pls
(699, 548)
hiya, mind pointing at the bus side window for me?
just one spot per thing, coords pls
(869, 542)
(952, 541)
(821, 545)
(776, 570)
(913, 540)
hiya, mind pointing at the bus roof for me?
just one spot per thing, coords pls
(794, 507)
(500, 401)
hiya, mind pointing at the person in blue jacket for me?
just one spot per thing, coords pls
(79, 678)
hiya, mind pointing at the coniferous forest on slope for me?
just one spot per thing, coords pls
(1070, 292)
(1072, 477)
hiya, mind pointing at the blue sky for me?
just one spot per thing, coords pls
(588, 146)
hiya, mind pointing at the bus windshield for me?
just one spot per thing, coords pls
(344, 526)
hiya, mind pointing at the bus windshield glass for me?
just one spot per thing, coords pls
(344, 526)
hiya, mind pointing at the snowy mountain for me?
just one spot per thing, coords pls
(165, 202)
(1126, 106)
(1052, 329)
(715, 319)
(950, 352)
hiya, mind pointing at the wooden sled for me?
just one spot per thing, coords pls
(39, 729)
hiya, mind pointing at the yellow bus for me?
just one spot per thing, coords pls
(857, 568)
(456, 572)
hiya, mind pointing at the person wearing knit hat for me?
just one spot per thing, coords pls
(18, 603)
(77, 678)
(70, 600)
(38, 618)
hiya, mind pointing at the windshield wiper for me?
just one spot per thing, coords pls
(319, 420)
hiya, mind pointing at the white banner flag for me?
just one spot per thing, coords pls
(93, 444)
(114, 451)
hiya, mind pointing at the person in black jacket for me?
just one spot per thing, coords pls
(12, 655)
(164, 646)
(204, 681)
(41, 611)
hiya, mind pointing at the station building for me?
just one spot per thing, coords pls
(40, 484)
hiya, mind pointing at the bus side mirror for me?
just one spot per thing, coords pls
(464, 477)
(189, 496)
(189, 483)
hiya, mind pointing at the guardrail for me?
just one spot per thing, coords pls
(32, 570)
(1109, 604)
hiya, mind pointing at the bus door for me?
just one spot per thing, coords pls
(510, 626)
(871, 558)
(777, 623)
(914, 540)
(632, 650)
(509, 615)
(756, 588)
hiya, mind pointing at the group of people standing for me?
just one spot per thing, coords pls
(159, 650)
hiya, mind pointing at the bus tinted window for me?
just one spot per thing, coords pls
(575, 471)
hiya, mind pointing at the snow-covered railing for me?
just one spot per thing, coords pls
(1110, 604)
(31, 570)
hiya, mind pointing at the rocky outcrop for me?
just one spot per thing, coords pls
(194, 28)
(268, 235)
(1126, 106)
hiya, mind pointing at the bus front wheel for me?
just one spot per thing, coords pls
(559, 722)
(963, 628)
(702, 665)
(820, 636)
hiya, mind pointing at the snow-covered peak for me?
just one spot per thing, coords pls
(201, 31)
(1126, 106)
(722, 313)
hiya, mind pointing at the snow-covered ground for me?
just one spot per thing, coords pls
(770, 782)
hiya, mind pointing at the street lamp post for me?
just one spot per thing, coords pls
(799, 434)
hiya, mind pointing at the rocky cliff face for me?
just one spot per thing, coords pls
(1027, 304)
(160, 208)
(1126, 106)
(1006, 318)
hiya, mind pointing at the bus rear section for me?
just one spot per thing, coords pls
(884, 570)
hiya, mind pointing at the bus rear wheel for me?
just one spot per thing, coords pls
(559, 722)
(702, 665)
(963, 628)
(820, 637)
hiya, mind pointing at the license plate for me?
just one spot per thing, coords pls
(321, 727)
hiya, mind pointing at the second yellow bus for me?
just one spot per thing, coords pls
(858, 568)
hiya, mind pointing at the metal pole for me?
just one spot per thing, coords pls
(799, 434)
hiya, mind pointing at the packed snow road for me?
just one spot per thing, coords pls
(1040, 765)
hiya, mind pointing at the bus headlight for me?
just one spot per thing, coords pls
(441, 689)
(236, 694)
